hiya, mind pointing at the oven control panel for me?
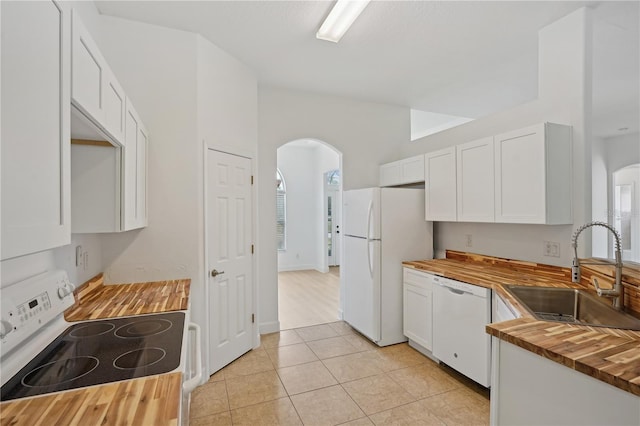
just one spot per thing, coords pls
(29, 305)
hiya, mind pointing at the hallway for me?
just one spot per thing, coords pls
(308, 297)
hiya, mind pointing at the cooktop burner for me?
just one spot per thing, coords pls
(100, 352)
(60, 371)
(143, 328)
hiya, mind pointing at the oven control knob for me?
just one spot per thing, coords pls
(5, 328)
(62, 292)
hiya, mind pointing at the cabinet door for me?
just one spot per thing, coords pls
(417, 307)
(114, 107)
(35, 126)
(440, 185)
(412, 169)
(390, 174)
(88, 67)
(141, 176)
(130, 168)
(475, 185)
(418, 315)
(134, 187)
(520, 176)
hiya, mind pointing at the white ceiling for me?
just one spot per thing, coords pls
(463, 58)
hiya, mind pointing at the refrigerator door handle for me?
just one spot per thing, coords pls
(369, 263)
(369, 216)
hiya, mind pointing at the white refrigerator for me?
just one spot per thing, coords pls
(382, 227)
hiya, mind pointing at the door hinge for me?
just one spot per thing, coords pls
(251, 179)
(251, 248)
(253, 318)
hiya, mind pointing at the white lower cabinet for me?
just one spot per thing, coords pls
(500, 311)
(417, 314)
(528, 389)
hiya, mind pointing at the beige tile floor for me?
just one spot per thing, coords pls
(329, 375)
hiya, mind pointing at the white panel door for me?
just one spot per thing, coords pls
(361, 269)
(475, 185)
(35, 127)
(229, 237)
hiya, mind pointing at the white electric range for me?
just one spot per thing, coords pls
(41, 353)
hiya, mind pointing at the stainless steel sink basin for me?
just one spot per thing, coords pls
(571, 306)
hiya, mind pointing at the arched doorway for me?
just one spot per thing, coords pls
(308, 219)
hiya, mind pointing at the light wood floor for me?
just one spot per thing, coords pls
(308, 297)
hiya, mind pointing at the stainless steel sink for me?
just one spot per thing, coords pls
(571, 306)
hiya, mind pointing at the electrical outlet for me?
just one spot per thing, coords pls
(78, 256)
(469, 240)
(551, 248)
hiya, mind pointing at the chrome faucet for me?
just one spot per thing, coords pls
(617, 293)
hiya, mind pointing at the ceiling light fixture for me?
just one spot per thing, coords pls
(341, 17)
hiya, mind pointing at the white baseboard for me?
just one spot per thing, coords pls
(269, 327)
(288, 268)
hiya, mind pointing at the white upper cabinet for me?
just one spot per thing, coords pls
(94, 89)
(533, 175)
(402, 172)
(475, 186)
(135, 171)
(35, 126)
(440, 185)
(109, 145)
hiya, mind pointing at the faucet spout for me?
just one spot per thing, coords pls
(618, 291)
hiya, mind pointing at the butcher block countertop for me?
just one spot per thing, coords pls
(152, 400)
(95, 300)
(609, 355)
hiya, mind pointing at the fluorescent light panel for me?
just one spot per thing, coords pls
(341, 17)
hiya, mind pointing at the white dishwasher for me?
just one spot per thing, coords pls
(460, 313)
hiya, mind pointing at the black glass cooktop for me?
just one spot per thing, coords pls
(103, 351)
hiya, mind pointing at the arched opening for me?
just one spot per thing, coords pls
(309, 196)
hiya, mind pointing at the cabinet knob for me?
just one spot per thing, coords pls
(215, 273)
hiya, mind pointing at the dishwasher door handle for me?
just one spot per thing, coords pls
(454, 290)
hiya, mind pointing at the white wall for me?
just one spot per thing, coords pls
(564, 96)
(599, 198)
(303, 168)
(298, 167)
(367, 134)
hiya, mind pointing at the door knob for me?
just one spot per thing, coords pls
(215, 273)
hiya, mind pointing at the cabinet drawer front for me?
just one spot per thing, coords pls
(420, 279)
